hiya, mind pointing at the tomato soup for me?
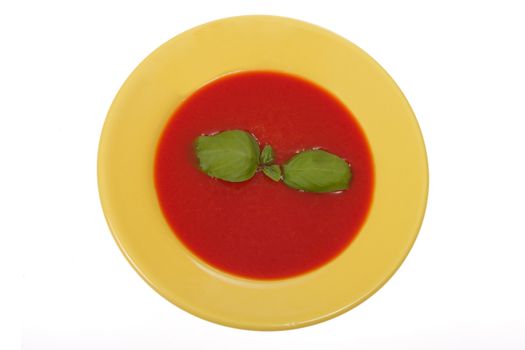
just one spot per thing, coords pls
(260, 228)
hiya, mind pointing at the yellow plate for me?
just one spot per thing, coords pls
(170, 74)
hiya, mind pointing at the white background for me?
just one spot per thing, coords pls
(461, 66)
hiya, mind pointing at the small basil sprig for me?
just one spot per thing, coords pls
(267, 155)
(234, 156)
(273, 172)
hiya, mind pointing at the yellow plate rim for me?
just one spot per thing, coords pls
(180, 66)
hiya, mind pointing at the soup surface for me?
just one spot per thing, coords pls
(260, 228)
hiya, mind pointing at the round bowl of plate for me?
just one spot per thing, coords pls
(262, 173)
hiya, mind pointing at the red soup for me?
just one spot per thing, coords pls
(260, 228)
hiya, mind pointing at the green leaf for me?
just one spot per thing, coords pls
(230, 155)
(317, 171)
(267, 155)
(273, 172)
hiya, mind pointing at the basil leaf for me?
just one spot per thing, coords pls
(273, 172)
(230, 155)
(267, 155)
(317, 171)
